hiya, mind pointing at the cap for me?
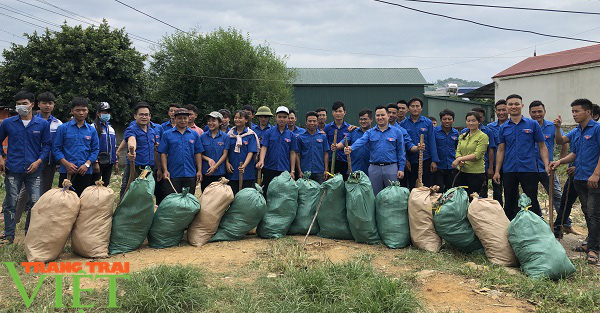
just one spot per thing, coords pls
(263, 111)
(282, 109)
(215, 114)
(103, 106)
(182, 111)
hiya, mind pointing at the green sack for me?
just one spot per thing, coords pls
(282, 204)
(360, 208)
(244, 214)
(451, 223)
(332, 219)
(391, 215)
(309, 193)
(533, 242)
(133, 216)
(171, 218)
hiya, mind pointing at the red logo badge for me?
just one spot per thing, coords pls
(88, 137)
(319, 140)
(391, 139)
(246, 143)
(453, 137)
(287, 140)
(547, 136)
(191, 140)
(423, 129)
(527, 130)
(587, 137)
(220, 143)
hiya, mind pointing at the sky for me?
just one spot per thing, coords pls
(341, 33)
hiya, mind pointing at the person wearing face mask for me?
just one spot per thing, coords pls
(28, 149)
(107, 157)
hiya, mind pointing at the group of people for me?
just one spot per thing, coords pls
(513, 150)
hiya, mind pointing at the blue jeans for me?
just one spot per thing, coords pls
(13, 183)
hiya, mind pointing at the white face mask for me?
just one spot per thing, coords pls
(23, 109)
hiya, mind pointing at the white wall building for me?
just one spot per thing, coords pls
(556, 79)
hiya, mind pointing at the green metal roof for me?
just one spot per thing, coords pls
(359, 76)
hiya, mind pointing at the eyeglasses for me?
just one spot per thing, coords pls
(143, 114)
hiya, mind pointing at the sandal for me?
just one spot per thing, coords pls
(592, 257)
(6, 241)
(582, 248)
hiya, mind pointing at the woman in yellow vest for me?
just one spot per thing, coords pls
(472, 145)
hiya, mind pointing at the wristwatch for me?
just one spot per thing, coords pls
(86, 165)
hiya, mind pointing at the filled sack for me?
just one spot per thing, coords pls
(332, 217)
(420, 218)
(490, 224)
(175, 212)
(133, 216)
(533, 242)
(246, 211)
(391, 215)
(51, 221)
(451, 223)
(282, 204)
(215, 200)
(91, 233)
(308, 198)
(360, 208)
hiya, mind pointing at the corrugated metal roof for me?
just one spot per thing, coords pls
(555, 60)
(359, 76)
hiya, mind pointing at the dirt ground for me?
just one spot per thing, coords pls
(440, 292)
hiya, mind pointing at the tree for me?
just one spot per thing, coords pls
(96, 62)
(460, 82)
(221, 69)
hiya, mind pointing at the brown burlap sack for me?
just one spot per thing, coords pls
(215, 200)
(52, 218)
(420, 219)
(91, 232)
(491, 227)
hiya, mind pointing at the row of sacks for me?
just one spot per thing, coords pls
(347, 210)
(482, 224)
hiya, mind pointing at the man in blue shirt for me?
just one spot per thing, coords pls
(338, 110)
(360, 156)
(180, 151)
(494, 127)
(537, 111)
(28, 150)
(251, 112)
(76, 147)
(386, 147)
(142, 139)
(586, 154)
(402, 110)
(313, 150)
(397, 113)
(263, 114)
(171, 122)
(417, 125)
(517, 157)
(322, 113)
(215, 144)
(45, 102)
(446, 140)
(278, 151)
(297, 130)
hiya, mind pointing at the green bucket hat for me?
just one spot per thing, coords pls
(263, 111)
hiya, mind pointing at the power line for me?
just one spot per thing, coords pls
(93, 22)
(18, 19)
(8, 41)
(150, 16)
(504, 7)
(15, 35)
(16, 11)
(486, 25)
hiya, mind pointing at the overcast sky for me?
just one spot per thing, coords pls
(362, 33)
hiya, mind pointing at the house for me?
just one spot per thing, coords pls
(556, 79)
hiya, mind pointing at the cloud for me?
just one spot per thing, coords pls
(359, 26)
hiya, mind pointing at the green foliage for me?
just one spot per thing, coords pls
(460, 82)
(96, 62)
(185, 67)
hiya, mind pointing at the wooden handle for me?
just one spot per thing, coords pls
(241, 177)
(349, 160)
(259, 177)
(334, 151)
(551, 199)
(420, 175)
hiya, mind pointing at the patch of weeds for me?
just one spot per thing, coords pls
(165, 289)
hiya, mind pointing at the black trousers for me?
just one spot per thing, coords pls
(341, 167)
(414, 174)
(105, 173)
(207, 180)
(79, 182)
(497, 190)
(268, 176)
(474, 182)
(179, 183)
(529, 184)
(444, 178)
(246, 183)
